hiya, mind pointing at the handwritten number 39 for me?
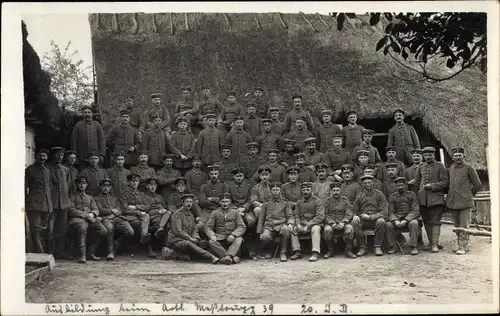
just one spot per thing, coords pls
(268, 308)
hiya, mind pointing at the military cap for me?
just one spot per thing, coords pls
(416, 151)
(225, 196)
(289, 141)
(179, 180)
(252, 144)
(86, 107)
(213, 168)
(391, 165)
(296, 96)
(225, 146)
(70, 152)
(326, 112)
(305, 185)
(155, 115)
(366, 177)
(321, 165)
(369, 166)
(335, 184)
(338, 136)
(181, 119)
(429, 150)
(351, 112)
(367, 131)
(398, 111)
(167, 156)
(155, 95)
(238, 170)
(258, 88)
(264, 168)
(274, 109)
(231, 93)
(81, 179)
(187, 88)
(187, 196)
(143, 152)
(458, 150)
(347, 167)
(251, 104)
(400, 179)
(310, 140)
(267, 120)
(210, 115)
(302, 118)
(132, 176)
(105, 181)
(273, 151)
(93, 154)
(362, 152)
(57, 149)
(151, 180)
(390, 148)
(124, 112)
(292, 169)
(239, 118)
(300, 155)
(196, 157)
(204, 87)
(275, 184)
(130, 97)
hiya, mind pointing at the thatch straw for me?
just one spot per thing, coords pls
(284, 54)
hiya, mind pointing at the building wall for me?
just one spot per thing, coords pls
(30, 146)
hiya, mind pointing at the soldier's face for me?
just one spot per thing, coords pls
(58, 157)
(186, 94)
(264, 176)
(182, 126)
(311, 146)
(181, 187)
(225, 203)
(226, 153)
(367, 138)
(157, 122)
(417, 158)
(300, 161)
(253, 151)
(167, 162)
(196, 163)
(205, 92)
(321, 173)
(289, 147)
(275, 191)
(93, 161)
(125, 118)
(391, 172)
(214, 175)
(336, 192)
(401, 186)
(367, 184)
(293, 176)
(306, 192)
(429, 157)
(352, 118)
(399, 117)
(297, 102)
(71, 159)
(257, 93)
(327, 118)
(134, 183)
(267, 127)
(251, 110)
(152, 187)
(120, 161)
(81, 186)
(156, 101)
(274, 115)
(458, 157)
(299, 124)
(129, 102)
(347, 175)
(369, 172)
(211, 122)
(238, 177)
(188, 203)
(231, 99)
(239, 124)
(272, 157)
(42, 157)
(106, 188)
(391, 154)
(337, 142)
(143, 159)
(363, 160)
(87, 113)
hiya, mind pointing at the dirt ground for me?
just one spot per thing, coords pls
(427, 278)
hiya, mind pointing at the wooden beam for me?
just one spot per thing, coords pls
(380, 134)
(308, 22)
(472, 232)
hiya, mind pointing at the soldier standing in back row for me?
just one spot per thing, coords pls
(464, 184)
(137, 119)
(411, 171)
(210, 140)
(325, 132)
(432, 180)
(208, 104)
(297, 112)
(186, 108)
(155, 143)
(261, 104)
(403, 137)
(352, 132)
(157, 109)
(367, 135)
(124, 137)
(238, 139)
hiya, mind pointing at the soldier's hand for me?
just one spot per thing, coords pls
(196, 219)
(397, 223)
(214, 238)
(341, 225)
(365, 217)
(193, 240)
(131, 149)
(403, 223)
(230, 239)
(184, 157)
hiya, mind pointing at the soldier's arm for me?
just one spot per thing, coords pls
(474, 179)
(110, 142)
(378, 159)
(199, 143)
(356, 205)
(290, 217)
(383, 207)
(240, 226)
(210, 225)
(93, 207)
(247, 203)
(262, 217)
(192, 148)
(414, 137)
(254, 196)
(166, 122)
(101, 139)
(103, 211)
(172, 146)
(391, 209)
(204, 202)
(443, 180)
(176, 223)
(137, 141)
(418, 178)
(298, 212)
(414, 208)
(320, 214)
(309, 121)
(348, 211)
(124, 206)
(196, 210)
(74, 212)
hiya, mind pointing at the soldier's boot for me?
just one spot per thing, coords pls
(461, 245)
(296, 255)
(348, 252)
(236, 260)
(111, 252)
(226, 260)
(81, 248)
(392, 250)
(414, 251)
(428, 231)
(361, 252)
(330, 253)
(378, 251)
(151, 253)
(268, 251)
(145, 238)
(205, 254)
(91, 252)
(314, 257)
(436, 231)
(283, 247)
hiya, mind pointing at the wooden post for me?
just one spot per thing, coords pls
(441, 153)
(472, 232)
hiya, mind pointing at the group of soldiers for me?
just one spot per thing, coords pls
(246, 182)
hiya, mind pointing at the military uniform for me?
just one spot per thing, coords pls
(306, 175)
(189, 107)
(261, 107)
(121, 138)
(350, 189)
(411, 174)
(291, 117)
(88, 136)
(195, 178)
(231, 111)
(241, 193)
(174, 202)
(118, 176)
(321, 189)
(277, 127)
(374, 154)
(139, 222)
(226, 167)
(238, 141)
(209, 105)
(158, 111)
(166, 178)
(299, 136)
(312, 159)
(157, 221)
(267, 141)
(156, 144)
(390, 187)
(94, 175)
(73, 174)
(253, 125)
(251, 164)
(404, 138)
(209, 144)
(145, 172)
(137, 119)
(324, 134)
(311, 213)
(338, 210)
(335, 158)
(381, 172)
(291, 192)
(209, 199)
(352, 136)
(183, 143)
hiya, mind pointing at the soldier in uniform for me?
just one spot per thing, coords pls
(349, 188)
(321, 187)
(38, 200)
(432, 179)
(313, 156)
(230, 110)
(134, 208)
(183, 236)
(83, 222)
(186, 108)
(300, 133)
(208, 104)
(155, 143)
(325, 132)
(252, 161)
(338, 215)
(288, 156)
(227, 164)
(209, 142)
(94, 174)
(70, 157)
(305, 173)
(261, 192)
(240, 190)
(411, 171)
(309, 216)
(370, 169)
(390, 185)
(124, 137)
(195, 177)
(275, 219)
(367, 136)
(276, 124)
(112, 219)
(224, 230)
(291, 190)
(58, 219)
(143, 170)
(183, 145)
(404, 211)
(238, 139)
(174, 200)
(390, 153)
(252, 123)
(352, 132)
(267, 140)
(297, 112)
(403, 137)
(209, 195)
(261, 104)
(336, 157)
(464, 184)
(118, 174)
(88, 136)
(362, 159)
(158, 109)
(370, 210)
(166, 176)
(158, 214)
(137, 119)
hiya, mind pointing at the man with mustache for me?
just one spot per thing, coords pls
(209, 195)
(403, 137)
(124, 137)
(143, 169)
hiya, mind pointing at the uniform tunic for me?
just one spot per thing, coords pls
(310, 212)
(209, 105)
(208, 145)
(144, 171)
(223, 223)
(278, 173)
(160, 111)
(86, 137)
(238, 141)
(195, 178)
(251, 164)
(337, 210)
(434, 173)
(321, 189)
(288, 158)
(324, 136)
(183, 227)
(226, 166)
(390, 187)
(404, 137)
(174, 202)
(291, 191)
(403, 206)
(411, 174)
(374, 154)
(60, 186)
(299, 135)
(291, 117)
(277, 127)
(73, 173)
(306, 175)
(166, 177)
(121, 138)
(261, 107)
(212, 190)
(38, 180)
(266, 142)
(337, 157)
(315, 158)
(137, 120)
(241, 193)
(253, 125)
(94, 176)
(105, 203)
(352, 136)
(382, 174)
(189, 106)
(83, 204)
(230, 111)
(183, 142)
(136, 198)
(275, 214)
(156, 143)
(373, 203)
(350, 190)
(261, 192)
(464, 184)
(118, 176)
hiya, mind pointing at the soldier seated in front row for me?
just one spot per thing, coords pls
(370, 209)
(174, 200)
(224, 229)
(309, 216)
(83, 222)
(338, 216)
(404, 211)
(183, 236)
(209, 196)
(275, 219)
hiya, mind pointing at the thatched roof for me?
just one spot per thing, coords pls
(285, 53)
